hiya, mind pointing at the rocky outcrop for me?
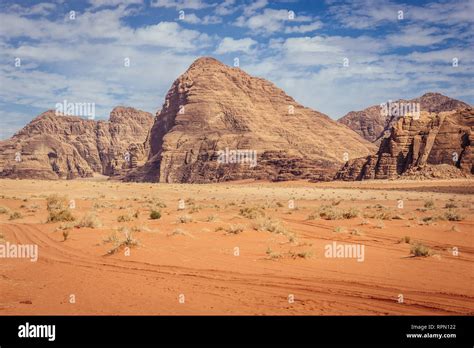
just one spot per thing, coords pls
(417, 146)
(54, 146)
(216, 118)
(373, 122)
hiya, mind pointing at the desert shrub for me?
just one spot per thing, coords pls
(190, 201)
(429, 219)
(65, 235)
(160, 204)
(211, 218)
(453, 215)
(56, 202)
(379, 224)
(112, 238)
(339, 229)
(385, 214)
(356, 232)
(269, 225)
(429, 204)
(140, 229)
(350, 213)
(184, 219)
(33, 208)
(301, 254)
(58, 209)
(126, 241)
(90, 220)
(4, 210)
(124, 218)
(419, 249)
(251, 213)
(364, 222)
(155, 215)
(328, 212)
(305, 254)
(194, 209)
(405, 239)
(219, 228)
(450, 205)
(15, 215)
(177, 232)
(60, 215)
(235, 229)
(272, 255)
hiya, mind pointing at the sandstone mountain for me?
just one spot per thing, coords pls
(213, 107)
(53, 147)
(371, 123)
(437, 144)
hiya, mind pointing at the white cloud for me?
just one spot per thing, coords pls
(414, 35)
(271, 21)
(305, 28)
(41, 9)
(170, 34)
(113, 3)
(364, 14)
(180, 4)
(254, 6)
(191, 18)
(229, 44)
(225, 8)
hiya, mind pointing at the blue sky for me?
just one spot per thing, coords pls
(80, 58)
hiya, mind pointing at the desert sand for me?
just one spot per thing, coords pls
(210, 258)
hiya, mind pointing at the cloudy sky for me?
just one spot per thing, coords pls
(333, 56)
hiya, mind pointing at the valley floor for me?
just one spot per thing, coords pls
(240, 248)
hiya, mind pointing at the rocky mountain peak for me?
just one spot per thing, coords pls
(371, 123)
(213, 107)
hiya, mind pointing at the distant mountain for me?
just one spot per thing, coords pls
(213, 113)
(54, 147)
(433, 145)
(372, 122)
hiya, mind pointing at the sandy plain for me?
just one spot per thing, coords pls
(240, 248)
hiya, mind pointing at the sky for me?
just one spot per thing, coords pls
(333, 56)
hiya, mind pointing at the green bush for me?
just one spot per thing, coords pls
(155, 215)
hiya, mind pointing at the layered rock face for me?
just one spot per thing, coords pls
(415, 147)
(372, 123)
(215, 117)
(54, 147)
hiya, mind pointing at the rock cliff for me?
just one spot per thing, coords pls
(213, 113)
(55, 146)
(372, 122)
(415, 147)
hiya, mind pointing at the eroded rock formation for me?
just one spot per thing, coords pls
(54, 147)
(417, 146)
(213, 107)
(371, 123)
